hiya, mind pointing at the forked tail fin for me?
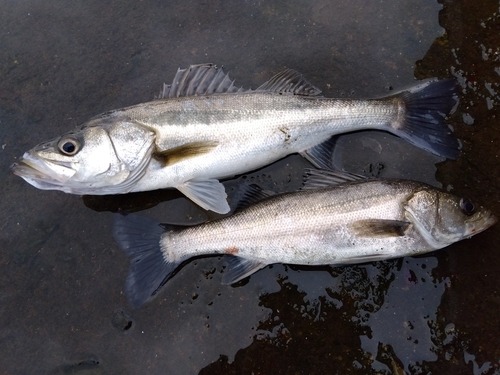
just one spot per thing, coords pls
(140, 238)
(425, 108)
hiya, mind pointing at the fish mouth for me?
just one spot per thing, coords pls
(484, 223)
(43, 174)
(47, 174)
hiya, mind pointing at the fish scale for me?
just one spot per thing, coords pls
(313, 223)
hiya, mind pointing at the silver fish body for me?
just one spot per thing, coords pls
(203, 128)
(353, 222)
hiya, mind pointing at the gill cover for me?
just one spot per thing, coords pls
(112, 158)
(104, 156)
(443, 219)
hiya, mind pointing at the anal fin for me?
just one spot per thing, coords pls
(321, 155)
(239, 268)
(209, 194)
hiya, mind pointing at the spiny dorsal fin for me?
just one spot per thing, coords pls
(180, 153)
(320, 179)
(202, 79)
(247, 195)
(290, 82)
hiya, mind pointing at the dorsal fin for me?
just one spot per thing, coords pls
(206, 79)
(202, 79)
(247, 195)
(320, 179)
(290, 82)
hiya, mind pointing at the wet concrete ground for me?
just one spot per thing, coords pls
(62, 307)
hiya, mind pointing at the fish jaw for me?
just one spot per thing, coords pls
(480, 223)
(48, 175)
(57, 175)
(44, 174)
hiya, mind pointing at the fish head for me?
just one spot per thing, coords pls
(101, 157)
(443, 219)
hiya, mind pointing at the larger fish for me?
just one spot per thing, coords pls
(350, 222)
(203, 128)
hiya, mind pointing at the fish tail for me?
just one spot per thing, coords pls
(424, 108)
(140, 239)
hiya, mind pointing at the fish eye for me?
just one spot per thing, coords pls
(69, 146)
(467, 206)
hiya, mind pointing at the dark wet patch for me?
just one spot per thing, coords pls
(121, 320)
(295, 337)
(467, 52)
(130, 202)
(88, 366)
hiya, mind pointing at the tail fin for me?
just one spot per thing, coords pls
(140, 238)
(426, 106)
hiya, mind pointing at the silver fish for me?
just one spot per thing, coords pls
(332, 221)
(202, 128)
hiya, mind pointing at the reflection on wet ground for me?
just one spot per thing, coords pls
(383, 313)
(62, 307)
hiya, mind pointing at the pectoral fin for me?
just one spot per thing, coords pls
(239, 268)
(368, 258)
(380, 228)
(209, 194)
(189, 150)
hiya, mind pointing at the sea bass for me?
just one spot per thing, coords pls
(336, 219)
(203, 128)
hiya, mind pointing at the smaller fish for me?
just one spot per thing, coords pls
(336, 219)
